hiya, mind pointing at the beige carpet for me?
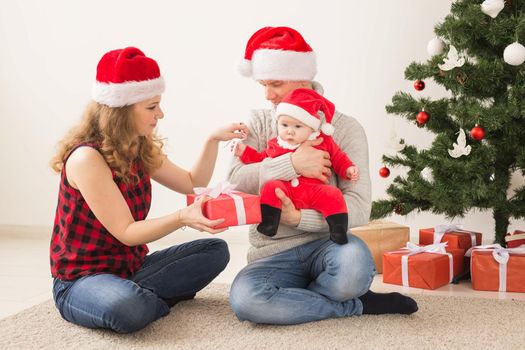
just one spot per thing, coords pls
(208, 323)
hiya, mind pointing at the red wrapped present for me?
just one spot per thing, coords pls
(236, 207)
(427, 267)
(454, 235)
(498, 269)
(516, 239)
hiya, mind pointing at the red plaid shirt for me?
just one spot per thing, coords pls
(81, 246)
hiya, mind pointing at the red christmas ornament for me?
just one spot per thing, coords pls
(398, 208)
(419, 85)
(384, 172)
(422, 118)
(477, 133)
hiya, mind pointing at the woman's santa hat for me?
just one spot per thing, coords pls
(278, 53)
(125, 77)
(308, 107)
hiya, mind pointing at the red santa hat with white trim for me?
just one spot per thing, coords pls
(278, 53)
(310, 108)
(125, 77)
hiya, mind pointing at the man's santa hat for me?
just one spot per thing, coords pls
(310, 108)
(125, 77)
(278, 53)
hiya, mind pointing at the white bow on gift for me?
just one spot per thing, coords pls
(440, 230)
(502, 256)
(227, 188)
(413, 249)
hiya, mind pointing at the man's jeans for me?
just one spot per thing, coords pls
(127, 305)
(315, 281)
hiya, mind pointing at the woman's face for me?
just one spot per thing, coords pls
(146, 114)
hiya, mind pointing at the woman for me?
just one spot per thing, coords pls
(103, 277)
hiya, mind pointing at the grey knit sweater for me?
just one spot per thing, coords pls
(349, 135)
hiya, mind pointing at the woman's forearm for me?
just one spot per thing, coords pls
(203, 169)
(146, 231)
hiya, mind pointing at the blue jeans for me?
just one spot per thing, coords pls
(127, 305)
(315, 281)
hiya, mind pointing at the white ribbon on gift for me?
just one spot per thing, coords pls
(413, 249)
(502, 256)
(440, 230)
(227, 188)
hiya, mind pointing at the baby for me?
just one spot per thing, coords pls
(304, 115)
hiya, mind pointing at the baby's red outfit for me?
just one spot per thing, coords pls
(309, 193)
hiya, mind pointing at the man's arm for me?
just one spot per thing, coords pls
(351, 138)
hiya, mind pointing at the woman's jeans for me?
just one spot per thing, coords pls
(127, 305)
(315, 281)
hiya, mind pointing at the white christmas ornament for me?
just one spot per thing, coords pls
(452, 60)
(460, 148)
(514, 54)
(435, 47)
(393, 142)
(427, 175)
(492, 7)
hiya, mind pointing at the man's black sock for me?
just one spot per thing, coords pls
(387, 303)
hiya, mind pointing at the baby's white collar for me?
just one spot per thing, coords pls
(285, 144)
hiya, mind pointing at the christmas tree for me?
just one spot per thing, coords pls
(479, 130)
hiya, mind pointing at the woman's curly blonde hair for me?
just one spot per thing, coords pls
(113, 130)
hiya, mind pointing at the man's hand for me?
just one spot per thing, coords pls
(289, 215)
(311, 162)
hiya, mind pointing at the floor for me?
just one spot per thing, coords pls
(25, 278)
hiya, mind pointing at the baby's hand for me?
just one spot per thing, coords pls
(239, 149)
(352, 173)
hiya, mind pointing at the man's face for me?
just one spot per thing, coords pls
(275, 90)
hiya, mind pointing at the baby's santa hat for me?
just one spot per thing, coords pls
(278, 53)
(310, 108)
(125, 77)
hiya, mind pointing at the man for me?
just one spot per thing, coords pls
(299, 275)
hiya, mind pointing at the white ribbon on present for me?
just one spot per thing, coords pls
(440, 230)
(227, 188)
(502, 256)
(413, 249)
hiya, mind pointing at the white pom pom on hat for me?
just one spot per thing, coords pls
(244, 67)
(327, 129)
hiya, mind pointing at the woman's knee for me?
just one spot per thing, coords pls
(132, 313)
(220, 253)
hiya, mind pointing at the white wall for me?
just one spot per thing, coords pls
(49, 51)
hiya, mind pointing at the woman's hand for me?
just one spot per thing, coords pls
(230, 132)
(192, 216)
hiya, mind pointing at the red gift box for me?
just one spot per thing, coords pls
(454, 236)
(423, 269)
(516, 239)
(498, 269)
(232, 206)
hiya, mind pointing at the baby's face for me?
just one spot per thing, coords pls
(292, 130)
